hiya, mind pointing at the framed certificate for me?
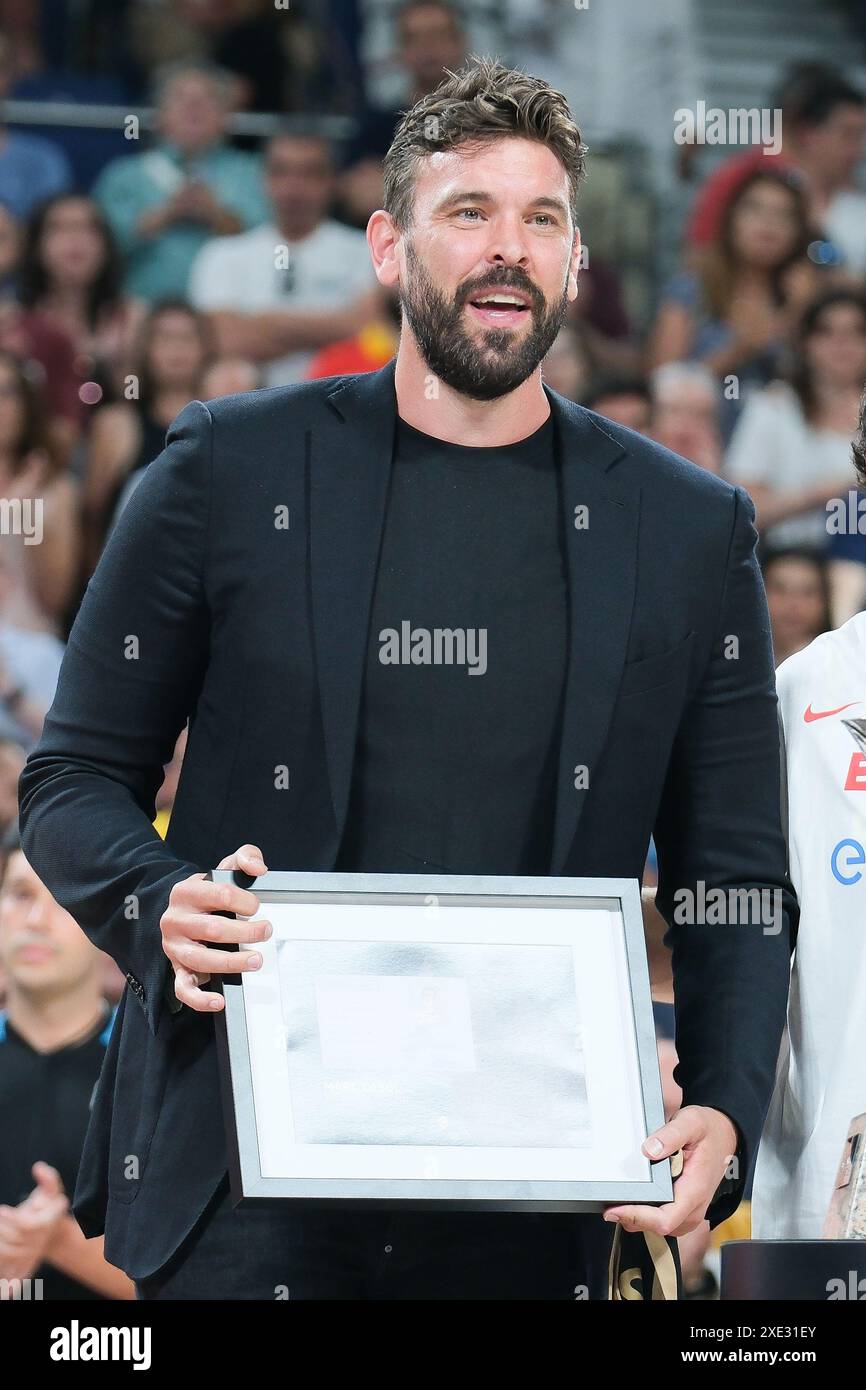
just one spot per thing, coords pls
(443, 1041)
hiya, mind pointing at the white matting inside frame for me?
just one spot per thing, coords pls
(490, 1042)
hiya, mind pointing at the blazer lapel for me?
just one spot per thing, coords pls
(350, 458)
(601, 552)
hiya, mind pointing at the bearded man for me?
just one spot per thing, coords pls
(626, 689)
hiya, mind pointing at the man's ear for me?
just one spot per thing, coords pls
(383, 239)
(574, 266)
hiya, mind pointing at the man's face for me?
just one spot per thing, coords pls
(430, 42)
(489, 221)
(299, 179)
(42, 948)
(625, 408)
(191, 114)
(837, 143)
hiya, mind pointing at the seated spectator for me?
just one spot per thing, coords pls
(429, 39)
(53, 1035)
(294, 284)
(173, 351)
(71, 276)
(277, 54)
(164, 203)
(45, 347)
(823, 133)
(791, 449)
(228, 377)
(797, 597)
(626, 401)
(29, 667)
(600, 314)
(368, 350)
(685, 413)
(31, 167)
(41, 553)
(736, 310)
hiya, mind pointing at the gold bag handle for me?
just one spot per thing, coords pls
(626, 1285)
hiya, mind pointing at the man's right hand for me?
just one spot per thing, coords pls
(191, 932)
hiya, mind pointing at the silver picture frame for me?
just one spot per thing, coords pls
(410, 1041)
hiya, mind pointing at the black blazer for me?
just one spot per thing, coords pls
(207, 605)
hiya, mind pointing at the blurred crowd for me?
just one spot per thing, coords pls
(190, 256)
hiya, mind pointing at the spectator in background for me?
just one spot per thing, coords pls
(846, 566)
(792, 446)
(368, 350)
(600, 314)
(165, 797)
(164, 203)
(685, 413)
(228, 377)
(566, 368)
(11, 246)
(429, 39)
(278, 56)
(29, 667)
(46, 349)
(626, 401)
(824, 134)
(798, 598)
(71, 275)
(294, 284)
(41, 554)
(173, 352)
(12, 759)
(736, 309)
(53, 1035)
(31, 167)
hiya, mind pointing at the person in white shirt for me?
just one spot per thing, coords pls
(280, 291)
(791, 446)
(820, 1076)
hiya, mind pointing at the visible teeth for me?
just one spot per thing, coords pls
(500, 299)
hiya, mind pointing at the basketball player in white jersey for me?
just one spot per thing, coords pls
(821, 1075)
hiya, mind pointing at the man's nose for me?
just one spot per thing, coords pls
(507, 243)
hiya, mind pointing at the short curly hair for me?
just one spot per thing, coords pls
(481, 102)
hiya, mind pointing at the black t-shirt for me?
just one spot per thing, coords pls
(459, 729)
(44, 1109)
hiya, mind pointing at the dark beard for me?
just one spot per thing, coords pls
(500, 361)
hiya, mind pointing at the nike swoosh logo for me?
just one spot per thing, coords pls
(810, 715)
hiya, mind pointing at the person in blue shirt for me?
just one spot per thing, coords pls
(165, 202)
(31, 167)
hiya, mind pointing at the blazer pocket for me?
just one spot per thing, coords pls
(651, 672)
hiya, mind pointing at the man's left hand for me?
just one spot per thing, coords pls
(708, 1139)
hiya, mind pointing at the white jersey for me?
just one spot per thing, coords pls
(821, 1075)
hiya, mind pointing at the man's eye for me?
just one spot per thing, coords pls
(463, 212)
(547, 217)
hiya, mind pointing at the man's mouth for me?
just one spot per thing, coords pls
(501, 308)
